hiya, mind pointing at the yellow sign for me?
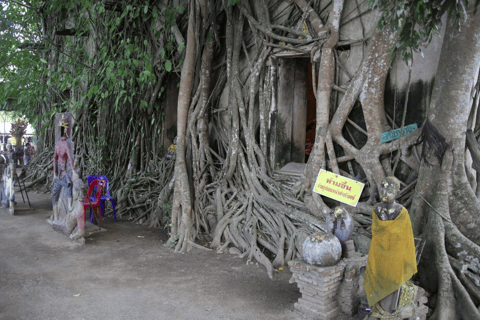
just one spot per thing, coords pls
(338, 187)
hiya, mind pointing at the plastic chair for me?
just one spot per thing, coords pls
(105, 197)
(97, 187)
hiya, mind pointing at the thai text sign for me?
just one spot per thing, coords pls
(395, 134)
(338, 187)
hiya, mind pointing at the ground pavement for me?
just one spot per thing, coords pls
(126, 273)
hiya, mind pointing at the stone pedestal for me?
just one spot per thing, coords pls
(351, 288)
(418, 310)
(327, 291)
(319, 288)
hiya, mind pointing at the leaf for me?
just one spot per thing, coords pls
(43, 60)
(168, 65)
(181, 47)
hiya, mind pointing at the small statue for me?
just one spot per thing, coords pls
(340, 224)
(77, 208)
(171, 153)
(7, 195)
(62, 178)
(391, 259)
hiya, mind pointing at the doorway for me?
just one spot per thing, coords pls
(295, 116)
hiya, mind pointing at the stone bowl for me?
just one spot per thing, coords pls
(322, 249)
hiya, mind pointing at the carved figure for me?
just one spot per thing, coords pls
(7, 195)
(391, 261)
(77, 208)
(340, 224)
(171, 153)
(62, 177)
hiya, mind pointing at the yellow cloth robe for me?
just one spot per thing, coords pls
(391, 259)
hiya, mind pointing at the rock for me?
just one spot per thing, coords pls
(322, 249)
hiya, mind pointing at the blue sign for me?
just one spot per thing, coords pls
(395, 134)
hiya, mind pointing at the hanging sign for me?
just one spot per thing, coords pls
(395, 134)
(338, 187)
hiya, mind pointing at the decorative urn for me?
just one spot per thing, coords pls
(340, 223)
(322, 249)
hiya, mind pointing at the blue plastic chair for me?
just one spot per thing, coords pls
(104, 197)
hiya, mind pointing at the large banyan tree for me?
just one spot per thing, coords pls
(119, 66)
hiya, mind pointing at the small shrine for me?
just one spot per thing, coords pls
(331, 276)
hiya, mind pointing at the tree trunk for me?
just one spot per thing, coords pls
(445, 201)
(182, 208)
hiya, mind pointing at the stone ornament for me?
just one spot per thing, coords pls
(322, 249)
(340, 223)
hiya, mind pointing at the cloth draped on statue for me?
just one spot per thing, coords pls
(391, 259)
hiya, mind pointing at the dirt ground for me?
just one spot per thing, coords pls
(126, 273)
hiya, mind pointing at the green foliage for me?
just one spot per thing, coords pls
(21, 64)
(233, 2)
(99, 60)
(417, 20)
(37, 68)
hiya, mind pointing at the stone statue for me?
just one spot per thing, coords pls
(391, 261)
(388, 209)
(77, 213)
(7, 194)
(339, 222)
(68, 188)
(62, 176)
(171, 152)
